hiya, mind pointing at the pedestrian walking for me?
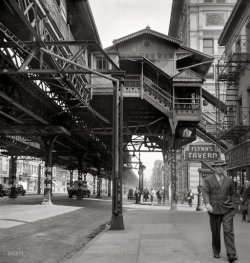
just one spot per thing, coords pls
(158, 195)
(152, 195)
(137, 195)
(1, 190)
(145, 194)
(218, 190)
(245, 198)
(13, 191)
(190, 197)
(185, 196)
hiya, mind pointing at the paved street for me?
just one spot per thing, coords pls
(69, 232)
(155, 234)
(32, 233)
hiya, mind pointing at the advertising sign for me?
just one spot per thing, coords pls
(238, 156)
(210, 128)
(204, 152)
(48, 177)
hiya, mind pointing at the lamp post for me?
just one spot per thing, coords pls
(199, 188)
(141, 169)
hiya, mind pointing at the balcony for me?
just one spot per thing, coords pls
(236, 124)
(234, 59)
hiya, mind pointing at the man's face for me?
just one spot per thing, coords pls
(219, 169)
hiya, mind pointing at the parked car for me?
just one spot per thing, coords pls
(73, 191)
(19, 190)
(131, 193)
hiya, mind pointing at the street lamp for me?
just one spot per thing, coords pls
(199, 197)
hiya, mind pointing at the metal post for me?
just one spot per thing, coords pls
(94, 184)
(12, 170)
(117, 216)
(109, 185)
(39, 179)
(140, 172)
(99, 182)
(80, 185)
(173, 178)
(199, 187)
(71, 172)
(48, 145)
(12, 175)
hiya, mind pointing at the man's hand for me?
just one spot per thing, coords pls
(209, 208)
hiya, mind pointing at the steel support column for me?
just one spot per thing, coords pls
(12, 175)
(80, 184)
(109, 185)
(48, 145)
(12, 170)
(117, 216)
(99, 185)
(94, 184)
(99, 181)
(71, 172)
(39, 179)
(165, 175)
(173, 178)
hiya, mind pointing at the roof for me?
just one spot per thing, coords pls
(198, 61)
(175, 19)
(83, 24)
(149, 31)
(232, 22)
(188, 74)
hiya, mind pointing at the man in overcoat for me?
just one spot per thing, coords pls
(217, 191)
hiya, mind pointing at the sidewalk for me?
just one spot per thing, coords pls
(156, 235)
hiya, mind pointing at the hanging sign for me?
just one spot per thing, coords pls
(204, 152)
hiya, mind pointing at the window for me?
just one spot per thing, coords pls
(210, 74)
(208, 46)
(214, 1)
(101, 63)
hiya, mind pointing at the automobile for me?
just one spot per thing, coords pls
(73, 191)
(19, 190)
(131, 193)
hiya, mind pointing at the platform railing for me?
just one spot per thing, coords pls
(157, 93)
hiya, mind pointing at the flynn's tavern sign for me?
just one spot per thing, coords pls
(204, 152)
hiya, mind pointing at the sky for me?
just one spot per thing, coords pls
(118, 18)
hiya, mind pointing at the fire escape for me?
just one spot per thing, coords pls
(235, 121)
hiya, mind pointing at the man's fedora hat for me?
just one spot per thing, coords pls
(219, 163)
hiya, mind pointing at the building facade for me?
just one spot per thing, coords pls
(234, 68)
(199, 23)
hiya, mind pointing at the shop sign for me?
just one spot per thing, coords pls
(238, 156)
(211, 128)
(4, 174)
(205, 152)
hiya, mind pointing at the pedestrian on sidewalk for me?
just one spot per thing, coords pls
(137, 194)
(218, 190)
(190, 197)
(145, 194)
(152, 196)
(1, 190)
(158, 194)
(245, 198)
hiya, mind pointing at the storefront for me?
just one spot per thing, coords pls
(238, 163)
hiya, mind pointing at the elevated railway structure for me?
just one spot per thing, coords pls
(65, 100)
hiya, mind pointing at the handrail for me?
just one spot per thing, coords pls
(213, 122)
(132, 81)
(157, 89)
